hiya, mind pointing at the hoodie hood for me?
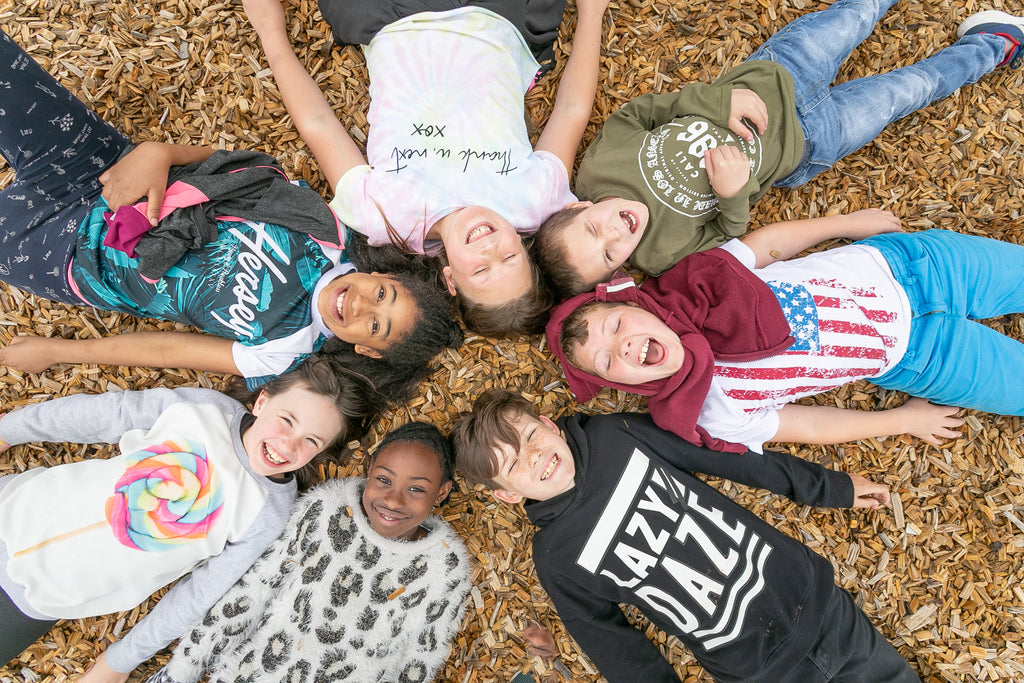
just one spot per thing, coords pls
(719, 309)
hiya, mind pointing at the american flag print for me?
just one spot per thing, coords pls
(842, 334)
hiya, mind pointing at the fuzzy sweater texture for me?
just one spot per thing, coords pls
(332, 600)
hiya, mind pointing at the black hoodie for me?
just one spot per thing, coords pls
(638, 528)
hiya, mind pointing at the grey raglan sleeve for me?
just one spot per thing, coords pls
(99, 418)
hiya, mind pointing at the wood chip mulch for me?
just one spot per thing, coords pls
(941, 572)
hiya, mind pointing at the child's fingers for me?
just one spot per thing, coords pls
(156, 200)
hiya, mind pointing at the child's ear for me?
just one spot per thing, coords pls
(504, 496)
(578, 205)
(549, 424)
(363, 350)
(445, 490)
(449, 280)
(261, 400)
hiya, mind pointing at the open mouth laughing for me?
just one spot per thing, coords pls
(550, 469)
(631, 221)
(479, 232)
(272, 456)
(340, 304)
(651, 353)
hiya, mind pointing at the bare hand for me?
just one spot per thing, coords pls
(99, 672)
(868, 222)
(30, 354)
(141, 173)
(728, 170)
(266, 16)
(747, 104)
(930, 422)
(868, 494)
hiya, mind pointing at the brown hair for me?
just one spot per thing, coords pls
(478, 434)
(551, 253)
(353, 396)
(526, 314)
(576, 329)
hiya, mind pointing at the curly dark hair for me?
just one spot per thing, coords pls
(549, 250)
(357, 401)
(407, 361)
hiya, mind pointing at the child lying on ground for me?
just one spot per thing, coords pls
(200, 485)
(676, 173)
(622, 520)
(363, 585)
(726, 340)
(268, 295)
(448, 166)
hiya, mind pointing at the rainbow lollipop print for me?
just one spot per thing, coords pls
(167, 496)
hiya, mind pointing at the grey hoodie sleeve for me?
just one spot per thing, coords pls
(100, 418)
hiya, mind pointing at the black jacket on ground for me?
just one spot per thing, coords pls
(638, 528)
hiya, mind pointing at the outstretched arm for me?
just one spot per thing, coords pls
(142, 349)
(143, 173)
(827, 425)
(323, 133)
(575, 99)
(780, 241)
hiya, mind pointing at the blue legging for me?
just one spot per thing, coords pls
(952, 281)
(58, 148)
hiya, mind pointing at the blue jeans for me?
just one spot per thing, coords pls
(838, 120)
(58, 148)
(953, 280)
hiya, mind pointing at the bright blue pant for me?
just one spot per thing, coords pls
(952, 281)
(838, 120)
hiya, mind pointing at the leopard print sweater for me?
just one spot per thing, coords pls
(332, 600)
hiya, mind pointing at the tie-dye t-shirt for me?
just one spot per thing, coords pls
(254, 284)
(447, 130)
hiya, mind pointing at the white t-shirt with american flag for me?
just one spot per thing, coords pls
(850, 319)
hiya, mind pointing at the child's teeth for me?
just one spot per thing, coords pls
(643, 351)
(341, 305)
(272, 456)
(550, 469)
(478, 232)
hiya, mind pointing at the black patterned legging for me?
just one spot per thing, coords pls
(58, 148)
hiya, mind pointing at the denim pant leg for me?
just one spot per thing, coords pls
(854, 113)
(813, 47)
(57, 148)
(952, 280)
(851, 650)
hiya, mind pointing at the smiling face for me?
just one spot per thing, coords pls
(602, 236)
(291, 428)
(487, 262)
(628, 345)
(540, 468)
(402, 488)
(369, 310)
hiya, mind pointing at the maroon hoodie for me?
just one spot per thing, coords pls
(719, 309)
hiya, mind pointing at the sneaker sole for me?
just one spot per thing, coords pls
(989, 16)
